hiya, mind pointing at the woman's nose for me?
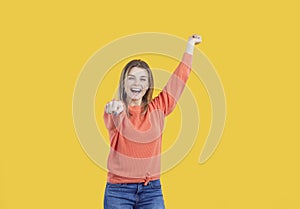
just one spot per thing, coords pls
(136, 82)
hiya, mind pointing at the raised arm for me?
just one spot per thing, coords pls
(168, 97)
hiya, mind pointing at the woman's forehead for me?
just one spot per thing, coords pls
(137, 71)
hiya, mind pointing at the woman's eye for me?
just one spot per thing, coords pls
(143, 79)
(130, 78)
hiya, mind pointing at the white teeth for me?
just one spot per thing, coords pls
(135, 90)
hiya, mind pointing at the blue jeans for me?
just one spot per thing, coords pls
(134, 196)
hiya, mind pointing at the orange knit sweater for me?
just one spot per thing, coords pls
(135, 140)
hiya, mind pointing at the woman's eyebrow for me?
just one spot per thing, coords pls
(144, 76)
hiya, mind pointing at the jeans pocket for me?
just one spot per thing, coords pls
(155, 184)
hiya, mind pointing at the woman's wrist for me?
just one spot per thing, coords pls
(190, 47)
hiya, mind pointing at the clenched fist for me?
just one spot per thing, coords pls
(192, 41)
(195, 39)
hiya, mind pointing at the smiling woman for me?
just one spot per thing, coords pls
(133, 179)
(136, 84)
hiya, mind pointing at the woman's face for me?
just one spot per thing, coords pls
(136, 85)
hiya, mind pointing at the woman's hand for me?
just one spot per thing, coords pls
(195, 39)
(192, 41)
(114, 107)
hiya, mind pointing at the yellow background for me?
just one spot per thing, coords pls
(254, 46)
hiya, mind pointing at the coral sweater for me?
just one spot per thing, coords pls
(135, 140)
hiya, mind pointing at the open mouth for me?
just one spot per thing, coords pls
(135, 90)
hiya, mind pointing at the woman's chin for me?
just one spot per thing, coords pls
(135, 100)
(135, 97)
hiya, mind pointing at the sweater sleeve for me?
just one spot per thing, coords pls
(112, 121)
(168, 97)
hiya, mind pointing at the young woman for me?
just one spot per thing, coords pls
(135, 124)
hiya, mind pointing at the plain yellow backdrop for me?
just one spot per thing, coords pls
(254, 46)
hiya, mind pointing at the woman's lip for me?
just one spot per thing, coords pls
(136, 89)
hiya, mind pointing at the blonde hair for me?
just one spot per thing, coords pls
(148, 95)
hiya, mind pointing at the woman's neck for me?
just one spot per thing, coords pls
(132, 102)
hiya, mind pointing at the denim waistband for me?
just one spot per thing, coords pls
(155, 182)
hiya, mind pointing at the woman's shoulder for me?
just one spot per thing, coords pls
(154, 104)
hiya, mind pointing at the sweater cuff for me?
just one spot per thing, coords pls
(187, 59)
